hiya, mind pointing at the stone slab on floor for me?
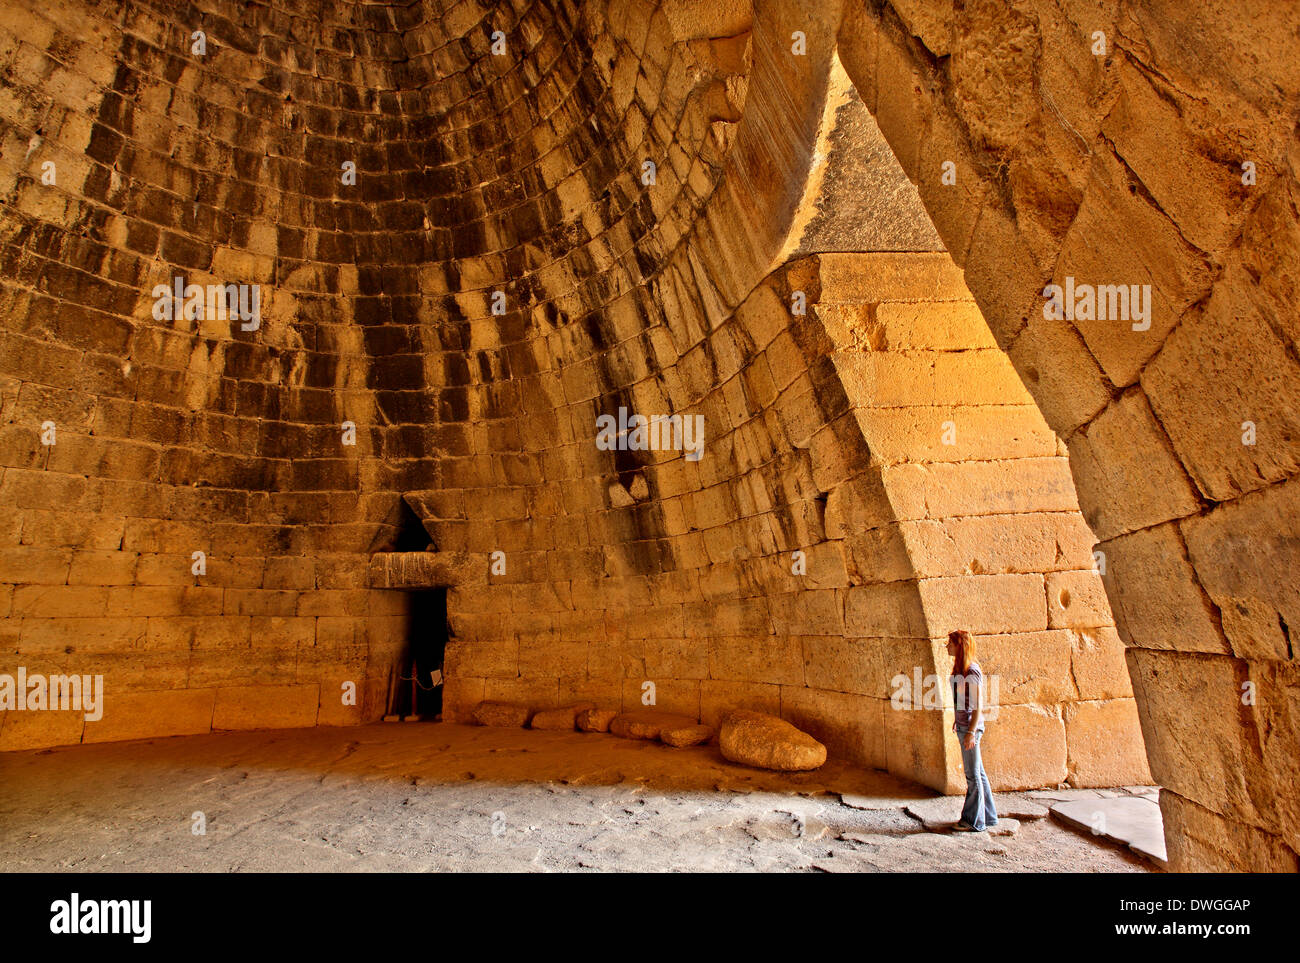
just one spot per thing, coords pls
(1133, 821)
(943, 812)
(1063, 795)
(1017, 807)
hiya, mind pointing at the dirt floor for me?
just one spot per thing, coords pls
(431, 796)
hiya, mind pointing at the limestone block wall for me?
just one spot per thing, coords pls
(128, 161)
(473, 175)
(984, 521)
(823, 437)
(496, 277)
(503, 270)
(1155, 157)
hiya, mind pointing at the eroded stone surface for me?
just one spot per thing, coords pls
(647, 723)
(757, 739)
(682, 736)
(502, 714)
(1111, 167)
(490, 283)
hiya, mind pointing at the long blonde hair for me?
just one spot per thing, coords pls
(965, 651)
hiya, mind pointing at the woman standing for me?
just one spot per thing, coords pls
(968, 701)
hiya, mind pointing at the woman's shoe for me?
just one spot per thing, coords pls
(964, 827)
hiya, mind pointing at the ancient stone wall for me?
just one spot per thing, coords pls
(825, 438)
(984, 519)
(194, 435)
(184, 436)
(559, 209)
(1142, 142)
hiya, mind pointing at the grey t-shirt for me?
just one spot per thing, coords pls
(966, 694)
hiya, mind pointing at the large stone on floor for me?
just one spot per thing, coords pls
(563, 719)
(504, 715)
(647, 723)
(596, 720)
(757, 739)
(679, 737)
(1131, 820)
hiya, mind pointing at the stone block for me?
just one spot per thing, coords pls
(984, 604)
(266, 707)
(1097, 664)
(1126, 472)
(1076, 600)
(1154, 595)
(1104, 744)
(915, 748)
(1226, 777)
(998, 544)
(1223, 372)
(980, 488)
(1120, 238)
(1202, 840)
(776, 659)
(1059, 371)
(890, 610)
(1238, 551)
(647, 723)
(1025, 748)
(144, 715)
(563, 719)
(1027, 668)
(842, 664)
(503, 715)
(27, 729)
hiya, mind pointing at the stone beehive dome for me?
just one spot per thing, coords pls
(822, 230)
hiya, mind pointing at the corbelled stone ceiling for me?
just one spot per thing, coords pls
(460, 233)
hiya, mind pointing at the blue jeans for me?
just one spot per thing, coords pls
(978, 811)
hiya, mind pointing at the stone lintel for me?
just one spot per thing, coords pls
(415, 570)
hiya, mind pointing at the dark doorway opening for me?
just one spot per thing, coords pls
(427, 644)
(415, 683)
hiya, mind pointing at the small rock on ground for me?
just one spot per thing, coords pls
(647, 723)
(596, 720)
(681, 736)
(562, 719)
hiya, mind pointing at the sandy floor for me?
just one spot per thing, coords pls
(420, 797)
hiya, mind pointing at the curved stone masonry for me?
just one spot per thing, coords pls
(524, 173)
(1121, 143)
